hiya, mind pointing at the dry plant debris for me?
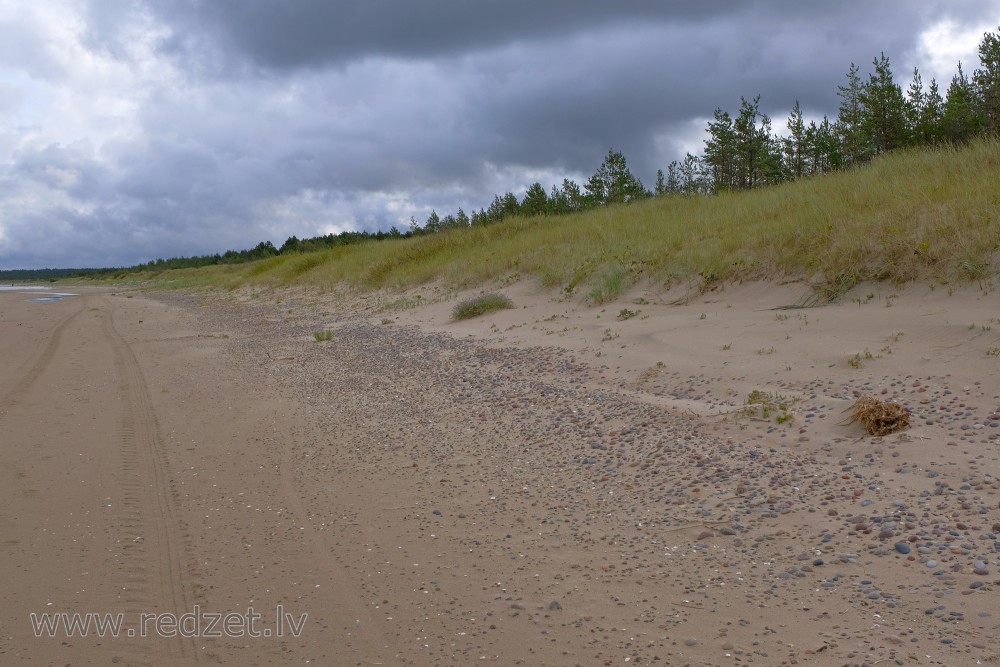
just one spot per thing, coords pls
(879, 417)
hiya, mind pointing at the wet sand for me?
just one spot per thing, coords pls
(547, 485)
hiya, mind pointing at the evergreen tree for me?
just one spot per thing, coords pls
(660, 189)
(694, 178)
(916, 100)
(674, 178)
(720, 152)
(510, 205)
(535, 201)
(796, 145)
(758, 158)
(572, 194)
(987, 82)
(461, 219)
(613, 183)
(849, 126)
(929, 129)
(433, 223)
(495, 213)
(960, 120)
(883, 108)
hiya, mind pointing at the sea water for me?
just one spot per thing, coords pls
(45, 294)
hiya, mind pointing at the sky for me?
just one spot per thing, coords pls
(138, 129)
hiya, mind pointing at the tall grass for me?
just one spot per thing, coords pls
(906, 216)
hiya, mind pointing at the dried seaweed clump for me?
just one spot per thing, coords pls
(879, 417)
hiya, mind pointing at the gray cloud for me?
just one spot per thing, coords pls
(187, 127)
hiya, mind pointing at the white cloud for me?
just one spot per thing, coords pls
(946, 43)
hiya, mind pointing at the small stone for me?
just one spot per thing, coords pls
(555, 606)
(690, 641)
(902, 547)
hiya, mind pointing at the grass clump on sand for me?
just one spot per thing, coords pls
(323, 335)
(764, 404)
(480, 305)
(879, 417)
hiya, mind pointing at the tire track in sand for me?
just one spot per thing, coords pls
(14, 394)
(159, 575)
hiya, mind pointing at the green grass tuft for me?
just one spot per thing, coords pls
(323, 335)
(481, 305)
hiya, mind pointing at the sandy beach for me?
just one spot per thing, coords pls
(555, 484)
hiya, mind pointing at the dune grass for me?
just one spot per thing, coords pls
(480, 305)
(921, 214)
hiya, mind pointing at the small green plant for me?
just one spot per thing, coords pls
(993, 352)
(765, 405)
(608, 335)
(323, 335)
(703, 316)
(609, 286)
(767, 350)
(861, 300)
(727, 347)
(481, 305)
(779, 317)
(857, 360)
(626, 314)
(386, 320)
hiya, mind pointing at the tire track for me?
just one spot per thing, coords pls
(16, 393)
(158, 573)
(13, 396)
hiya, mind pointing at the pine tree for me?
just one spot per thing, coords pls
(883, 108)
(720, 152)
(987, 82)
(853, 140)
(758, 156)
(674, 178)
(961, 120)
(929, 128)
(660, 189)
(535, 201)
(796, 144)
(916, 100)
(572, 194)
(613, 183)
(433, 223)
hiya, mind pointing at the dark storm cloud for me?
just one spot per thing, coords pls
(237, 121)
(317, 32)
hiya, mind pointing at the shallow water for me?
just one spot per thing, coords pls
(49, 295)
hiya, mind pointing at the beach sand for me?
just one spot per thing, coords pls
(555, 484)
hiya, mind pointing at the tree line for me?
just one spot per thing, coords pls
(742, 151)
